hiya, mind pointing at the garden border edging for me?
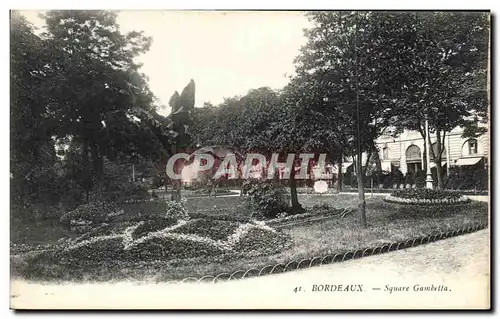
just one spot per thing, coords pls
(330, 258)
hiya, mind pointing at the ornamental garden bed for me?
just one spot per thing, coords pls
(426, 197)
(167, 240)
(192, 250)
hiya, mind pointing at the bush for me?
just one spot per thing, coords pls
(466, 178)
(420, 178)
(92, 213)
(409, 178)
(266, 198)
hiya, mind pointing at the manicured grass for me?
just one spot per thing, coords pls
(386, 223)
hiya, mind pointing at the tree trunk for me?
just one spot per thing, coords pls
(361, 191)
(87, 182)
(296, 207)
(437, 159)
(340, 177)
(97, 161)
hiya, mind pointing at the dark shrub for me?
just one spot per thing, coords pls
(467, 178)
(409, 178)
(267, 199)
(420, 178)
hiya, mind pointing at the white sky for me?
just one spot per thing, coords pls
(225, 53)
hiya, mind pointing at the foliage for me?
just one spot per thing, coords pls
(93, 213)
(467, 178)
(266, 198)
(79, 102)
(446, 77)
(177, 210)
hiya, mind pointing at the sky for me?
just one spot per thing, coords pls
(225, 53)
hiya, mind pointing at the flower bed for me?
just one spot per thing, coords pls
(210, 228)
(168, 240)
(150, 226)
(426, 197)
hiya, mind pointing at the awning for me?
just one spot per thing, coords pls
(467, 161)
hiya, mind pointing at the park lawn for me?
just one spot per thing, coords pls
(387, 223)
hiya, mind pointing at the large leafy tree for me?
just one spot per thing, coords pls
(444, 78)
(93, 87)
(347, 67)
(31, 148)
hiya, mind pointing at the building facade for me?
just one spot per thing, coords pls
(406, 152)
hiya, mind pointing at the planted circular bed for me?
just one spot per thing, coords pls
(426, 197)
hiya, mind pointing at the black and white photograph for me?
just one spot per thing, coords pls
(250, 159)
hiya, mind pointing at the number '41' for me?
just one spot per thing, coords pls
(297, 289)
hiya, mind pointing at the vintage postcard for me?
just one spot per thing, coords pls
(249, 159)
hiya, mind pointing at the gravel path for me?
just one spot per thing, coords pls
(457, 268)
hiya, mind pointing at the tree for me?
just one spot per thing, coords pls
(92, 87)
(348, 63)
(33, 175)
(445, 79)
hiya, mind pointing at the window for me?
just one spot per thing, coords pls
(472, 145)
(385, 153)
(413, 153)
